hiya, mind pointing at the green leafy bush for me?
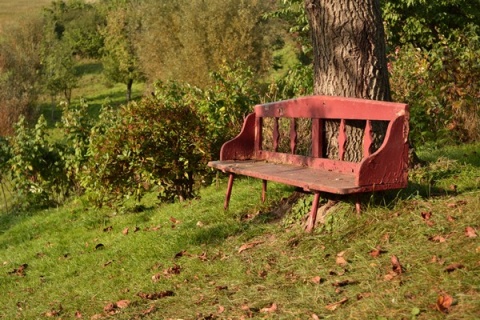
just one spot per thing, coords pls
(37, 166)
(156, 142)
(441, 86)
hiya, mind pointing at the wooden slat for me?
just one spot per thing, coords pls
(367, 139)
(327, 107)
(293, 136)
(342, 140)
(258, 134)
(276, 135)
(317, 138)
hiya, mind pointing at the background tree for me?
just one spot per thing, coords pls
(186, 40)
(119, 54)
(349, 58)
(19, 72)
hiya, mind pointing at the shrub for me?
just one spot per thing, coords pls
(441, 86)
(158, 141)
(37, 166)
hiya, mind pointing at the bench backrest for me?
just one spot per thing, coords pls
(293, 131)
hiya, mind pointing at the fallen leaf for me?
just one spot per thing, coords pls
(340, 259)
(108, 229)
(180, 254)
(175, 221)
(172, 270)
(149, 310)
(343, 283)
(317, 279)
(125, 231)
(109, 307)
(156, 277)
(396, 266)
(20, 271)
(78, 315)
(376, 252)
(334, 306)
(470, 232)
(270, 309)
(439, 239)
(453, 267)
(122, 304)
(315, 317)
(444, 303)
(221, 309)
(156, 295)
(249, 245)
(426, 217)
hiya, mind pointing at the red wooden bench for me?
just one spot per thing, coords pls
(271, 147)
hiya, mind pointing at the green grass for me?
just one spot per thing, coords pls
(192, 250)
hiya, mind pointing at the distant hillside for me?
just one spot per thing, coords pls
(11, 10)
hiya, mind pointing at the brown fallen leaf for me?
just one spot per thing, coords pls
(156, 295)
(220, 310)
(172, 270)
(344, 283)
(453, 267)
(175, 221)
(317, 280)
(125, 231)
(108, 229)
(78, 315)
(470, 232)
(340, 259)
(122, 304)
(376, 252)
(438, 238)
(335, 305)
(149, 310)
(426, 217)
(270, 309)
(396, 266)
(20, 271)
(249, 245)
(444, 303)
(109, 307)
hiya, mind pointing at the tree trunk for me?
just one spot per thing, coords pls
(349, 60)
(129, 90)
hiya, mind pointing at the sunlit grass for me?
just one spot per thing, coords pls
(80, 259)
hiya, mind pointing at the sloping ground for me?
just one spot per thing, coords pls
(412, 254)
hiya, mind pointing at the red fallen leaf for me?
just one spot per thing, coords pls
(470, 232)
(453, 267)
(125, 231)
(270, 309)
(444, 303)
(250, 245)
(122, 304)
(156, 295)
(334, 306)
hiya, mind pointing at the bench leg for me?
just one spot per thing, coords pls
(229, 191)
(264, 190)
(313, 213)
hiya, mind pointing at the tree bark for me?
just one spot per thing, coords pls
(349, 57)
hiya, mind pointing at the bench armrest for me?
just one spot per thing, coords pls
(389, 164)
(241, 147)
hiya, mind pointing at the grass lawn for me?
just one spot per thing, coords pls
(412, 254)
